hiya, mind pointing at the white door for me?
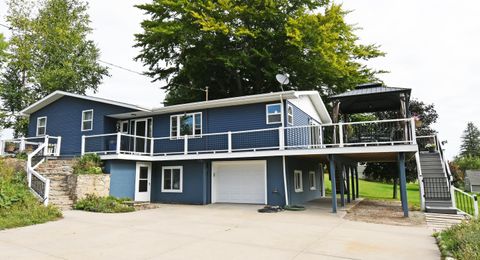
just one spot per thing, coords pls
(239, 182)
(143, 181)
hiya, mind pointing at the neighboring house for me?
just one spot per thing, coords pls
(259, 149)
(472, 181)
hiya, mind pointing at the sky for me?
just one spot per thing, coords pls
(432, 47)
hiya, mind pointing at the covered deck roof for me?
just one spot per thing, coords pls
(371, 97)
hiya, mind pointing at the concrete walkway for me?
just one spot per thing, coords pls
(215, 232)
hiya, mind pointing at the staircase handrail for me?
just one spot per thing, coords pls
(445, 165)
(31, 171)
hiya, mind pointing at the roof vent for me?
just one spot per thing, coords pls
(370, 85)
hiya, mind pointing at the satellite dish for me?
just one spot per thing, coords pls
(282, 79)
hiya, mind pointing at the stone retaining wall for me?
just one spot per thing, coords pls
(83, 184)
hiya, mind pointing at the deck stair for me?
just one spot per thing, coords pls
(436, 184)
(58, 171)
(438, 222)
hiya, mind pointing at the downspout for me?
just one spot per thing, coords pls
(285, 186)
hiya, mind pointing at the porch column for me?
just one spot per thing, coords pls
(403, 183)
(342, 186)
(352, 172)
(356, 180)
(347, 182)
(331, 158)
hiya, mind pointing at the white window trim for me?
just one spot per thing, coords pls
(313, 186)
(180, 190)
(178, 116)
(295, 173)
(279, 113)
(289, 106)
(84, 120)
(45, 126)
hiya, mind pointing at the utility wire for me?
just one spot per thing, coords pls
(105, 62)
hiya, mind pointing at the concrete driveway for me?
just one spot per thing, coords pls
(215, 232)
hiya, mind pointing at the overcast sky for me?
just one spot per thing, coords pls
(432, 47)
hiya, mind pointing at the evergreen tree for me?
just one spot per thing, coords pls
(470, 141)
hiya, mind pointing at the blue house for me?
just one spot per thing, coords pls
(259, 149)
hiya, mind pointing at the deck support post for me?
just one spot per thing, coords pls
(331, 159)
(403, 183)
(347, 182)
(352, 178)
(356, 182)
(342, 186)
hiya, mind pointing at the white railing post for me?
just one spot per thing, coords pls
(59, 145)
(412, 130)
(2, 147)
(452, 195)
(320, 132)
(22, 144)
(83, 145)
(229, 134)
(185, 144)
(475, 205)
(119, 140)
(152, 146)
(45, 152)
(340, 133)
(281, 138)
(46, 192)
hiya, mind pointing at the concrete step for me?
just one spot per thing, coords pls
(437, 204)
(442, 210)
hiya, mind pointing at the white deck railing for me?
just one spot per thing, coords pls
(29, 144)
(369, 133)
(39, 185)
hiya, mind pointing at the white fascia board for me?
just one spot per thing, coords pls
(54, 96)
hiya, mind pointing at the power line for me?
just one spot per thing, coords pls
(105, 62)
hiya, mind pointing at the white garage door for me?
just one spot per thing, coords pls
(239, 182)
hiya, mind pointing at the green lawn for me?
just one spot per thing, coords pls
(382, 191)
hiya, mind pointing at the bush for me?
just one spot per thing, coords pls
(461, 241)
(88, 164)
(18, 206)
(103, 204)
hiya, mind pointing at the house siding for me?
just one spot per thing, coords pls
(122, 178)
(305, 165)
(64, 118)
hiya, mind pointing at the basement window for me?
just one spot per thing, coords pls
(297, 181)
(172, 178)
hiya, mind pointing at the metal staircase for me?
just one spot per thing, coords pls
(437, 190)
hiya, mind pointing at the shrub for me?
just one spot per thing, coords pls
(103, 204)
(88, 164)
(461, 241)
(18, 206)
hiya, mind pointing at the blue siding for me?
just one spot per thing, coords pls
(275, 187)
(64, 118)
(305, 165)
(122, 178)
(302, 135)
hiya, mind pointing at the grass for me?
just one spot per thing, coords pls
(18, 206)
(103, 204)
(461, 241)
(383, 191)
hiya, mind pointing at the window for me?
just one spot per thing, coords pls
(274, 113)
(313, 180)
(186, 124)
(290, 114)
(87, 120)
(41, 125)
(172, 178)
(297, 181)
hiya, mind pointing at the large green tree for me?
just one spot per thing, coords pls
(236, 47)
(470, 141)
(48, 50)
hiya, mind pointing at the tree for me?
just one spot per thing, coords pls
(236, 47)
(3, 48)
(470, 141)
(48, 51)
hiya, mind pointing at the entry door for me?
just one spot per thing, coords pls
(143, 181)
(141, 130)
